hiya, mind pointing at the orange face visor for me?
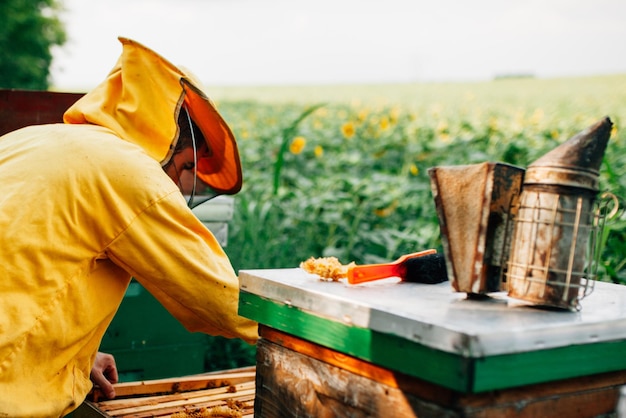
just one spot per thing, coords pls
(220, 167)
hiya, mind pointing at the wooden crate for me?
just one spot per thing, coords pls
(20, 108)
(231, 393)
(296, 378)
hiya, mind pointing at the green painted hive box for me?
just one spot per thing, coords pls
(434, 334)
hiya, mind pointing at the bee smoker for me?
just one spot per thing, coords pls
(474, 205)
(550, 263)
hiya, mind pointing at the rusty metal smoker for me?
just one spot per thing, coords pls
(474, 205)
(552, 247)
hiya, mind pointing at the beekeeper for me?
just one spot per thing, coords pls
(90, 203)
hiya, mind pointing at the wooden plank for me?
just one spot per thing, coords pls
(290, 384)
(194, 395)
(202, 401)
(163, 397)
(567, 398)
(584, 396)
(391, 378)
(244, 404)
(20, 108)
(177, 384)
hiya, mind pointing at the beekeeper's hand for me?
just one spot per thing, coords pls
(104, 373)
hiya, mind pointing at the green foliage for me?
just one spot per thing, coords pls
(228, 354)
(29, 29)
(286, 135)
(359, 188)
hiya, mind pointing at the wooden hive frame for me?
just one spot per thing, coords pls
(223, 394)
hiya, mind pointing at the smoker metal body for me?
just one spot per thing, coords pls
(474, 204)
(550, 249)
(554, 245)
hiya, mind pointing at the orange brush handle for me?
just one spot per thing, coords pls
(370, 272)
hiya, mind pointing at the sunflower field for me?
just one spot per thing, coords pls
(342, 170)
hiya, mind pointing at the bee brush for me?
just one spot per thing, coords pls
(422, 267)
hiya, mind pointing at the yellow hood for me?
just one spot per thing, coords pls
(140, 101)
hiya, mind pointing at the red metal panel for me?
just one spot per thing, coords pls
(19, 108)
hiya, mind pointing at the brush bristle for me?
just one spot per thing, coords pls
(429, 269)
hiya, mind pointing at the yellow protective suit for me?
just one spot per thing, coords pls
(84, 207)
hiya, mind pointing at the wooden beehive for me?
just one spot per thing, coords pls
(222, 394)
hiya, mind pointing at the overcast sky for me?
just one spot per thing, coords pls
(246, 42)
